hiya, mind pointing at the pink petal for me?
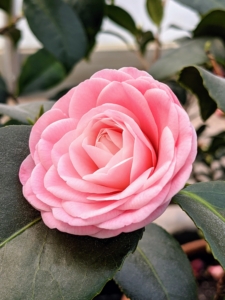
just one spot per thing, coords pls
(46, 119)
(85, 97)
(129, 97)
(37, 185)
(63, 216)
(55, 131)
(44, 149)
(72, 178)
(52, 223)
(116, 177)
(26, 168)
(90, 210)
(32, 199)
(64, 102)
(112, 75)
(135, 73)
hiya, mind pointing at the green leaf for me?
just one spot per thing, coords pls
(15, 211)
(202, 7)
(15, 35)
(6, 5)
(58, 27)
(157, 270)
(45, 264)
(208, 88)
(212, 24)
(3, 91)
(25, 111)
(176, 59)
(40, 263)
(155, 10)
(204, 203)
(143, 38)
(91, 13)
(40, 72)
(121, 17)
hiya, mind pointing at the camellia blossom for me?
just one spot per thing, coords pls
(109, 156)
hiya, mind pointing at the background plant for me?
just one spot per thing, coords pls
(47, 264)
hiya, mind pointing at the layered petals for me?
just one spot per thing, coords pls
(109, 156)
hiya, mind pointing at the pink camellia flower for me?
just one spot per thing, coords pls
(109, 156)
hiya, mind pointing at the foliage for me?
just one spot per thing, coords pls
(46, 264)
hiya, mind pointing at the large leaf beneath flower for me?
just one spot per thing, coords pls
(155, 10)
(40, 263)
(204, 203)
(15, 212)
(58, 27)
(157, 270)
(91, 13)
(3, 91)
(40, 72)
(203, 6)
(172, 62)
(212, 24)
(121, 17)
(208, 88)
(25, 111)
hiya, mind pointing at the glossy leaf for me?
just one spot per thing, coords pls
(208, 88)
(204, 203)
(40, 263)
(212, 24)
(5, 5)
(202, 7)
(58, 27)
(46, 264)
(121, 17)
(155, 10)
(91, 13)
(178, 58)
(3, 91)
(40, 72)
(157, 270)
(15, 211)
(25, 111)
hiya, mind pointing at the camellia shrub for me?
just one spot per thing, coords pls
(83, 178)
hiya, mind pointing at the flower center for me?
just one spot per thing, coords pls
(109, 139)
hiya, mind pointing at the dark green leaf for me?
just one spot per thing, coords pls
(40, 72)
(40, 263)
(6, 5)
(208, 88)
(25, 111)
(158, 270)
(172, 62)
(45, 264)
(203, 7)
(212, 24)
(178, 90)
(155, 10)
(14, 34)
(58, 27)
(15, 211)
(143, 38)
(91, 13)
(121, 17)
(204, 203)
(3, 91)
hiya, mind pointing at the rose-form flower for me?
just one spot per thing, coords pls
(109, 156)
